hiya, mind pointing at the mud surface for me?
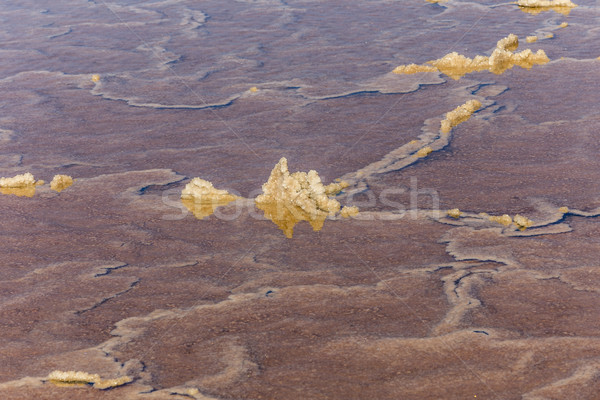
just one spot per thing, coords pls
(114, 276)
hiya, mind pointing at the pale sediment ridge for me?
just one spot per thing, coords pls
(434, 137)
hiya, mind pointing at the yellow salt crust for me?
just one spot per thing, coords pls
(95, 78)
(61, 182)
(74, 378)
(563, 210)
(20, 185)
(502, 58)
(28, 191)
(336, 187)
(505, 220)
(413, 69)
(253, 89)
(509, 43)
(204, 191)
(531, 39)
(537, 6)
(454, 213)
(563, 25)
(549, 36)
(424, 152)
(111, 383)
(459, 114)
(301, 196)
(546, 3)
(18, 181)
(522, 222)
(349, 211)
(202, 199)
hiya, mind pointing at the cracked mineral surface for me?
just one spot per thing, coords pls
(470, 272)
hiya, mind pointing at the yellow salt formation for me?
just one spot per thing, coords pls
(424, 152)
(563, 25)
(95, 78)
(28, 191)
(531, 39)
(503, 57)
(18, 181)
(111, 383)
(349, 211)
(505, 220)
(61, 182)
(413, 69)
(301, 196)
(253, 89)
(454, 213)
(537, 6)
(335, 187)
(19, 185)
(522, 222)
(75, 378)
(202, 199)
(563, 210)
(549, 36)
(459, 114)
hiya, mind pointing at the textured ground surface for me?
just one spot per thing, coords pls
(113, 276)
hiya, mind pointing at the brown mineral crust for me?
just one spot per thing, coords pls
(45, 321)
(545, 254)
(402, 244)
(513, 373)
(542, 284)
(536, 305)
(145, 277)
(60, 302)
(253, 323)
(460, 363)
(92, 144)
(500, 21)
(557, 162)
(47, 231)
(540, 104)
(241, 155)
(51, 392)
